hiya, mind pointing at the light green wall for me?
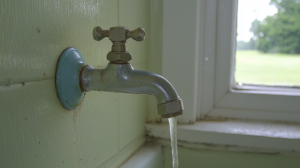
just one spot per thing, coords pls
(195, 158)
(36, 131)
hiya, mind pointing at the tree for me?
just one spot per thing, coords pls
(246, 45)
(280, 32)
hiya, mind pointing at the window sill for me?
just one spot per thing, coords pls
(267, 90)
(252, 135)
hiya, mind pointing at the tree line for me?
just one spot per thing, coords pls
(279, 33)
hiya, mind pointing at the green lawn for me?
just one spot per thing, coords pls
(253, 67)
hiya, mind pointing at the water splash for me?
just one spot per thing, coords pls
(173, 134)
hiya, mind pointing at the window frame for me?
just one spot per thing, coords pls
(215, 94)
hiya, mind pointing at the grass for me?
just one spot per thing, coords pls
(253, 67)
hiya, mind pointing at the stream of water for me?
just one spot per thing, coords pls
(173, 134)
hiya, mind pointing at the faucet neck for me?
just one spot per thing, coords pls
(118, 53)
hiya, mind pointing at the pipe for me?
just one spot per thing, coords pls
(123, 78)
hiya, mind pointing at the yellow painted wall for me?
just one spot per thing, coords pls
(36, 131)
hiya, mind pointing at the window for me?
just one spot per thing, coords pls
(199, 60)
(268, 49)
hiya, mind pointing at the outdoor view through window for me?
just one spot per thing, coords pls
(268, 42)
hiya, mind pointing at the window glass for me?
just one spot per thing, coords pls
(268, 42)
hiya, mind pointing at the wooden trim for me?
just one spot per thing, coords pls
(199, 60)
(208, 58)
(279, 137)
(180, 54)
(216, 113)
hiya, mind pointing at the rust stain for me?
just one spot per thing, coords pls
(76, 131)
(76, 112)
(101, 76)
(158, 120)
(215, 119)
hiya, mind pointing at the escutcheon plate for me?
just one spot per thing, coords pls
(67, 78)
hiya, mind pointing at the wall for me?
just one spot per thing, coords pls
(36, 131)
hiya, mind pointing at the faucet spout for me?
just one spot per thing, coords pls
(124, 78)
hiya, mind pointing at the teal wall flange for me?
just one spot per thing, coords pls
(67, 78)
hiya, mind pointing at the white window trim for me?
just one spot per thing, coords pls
(198, 59)
(247, 136)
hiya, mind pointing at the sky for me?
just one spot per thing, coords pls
(249, 10)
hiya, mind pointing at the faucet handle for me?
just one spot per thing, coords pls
(99, 33)
(137, 34)
(118, 34)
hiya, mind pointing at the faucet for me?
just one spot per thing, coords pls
(119, 75)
